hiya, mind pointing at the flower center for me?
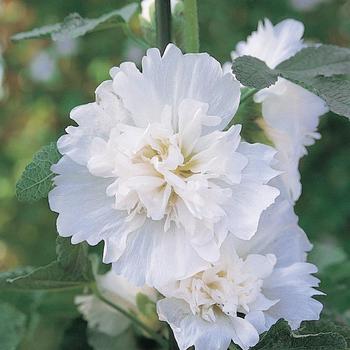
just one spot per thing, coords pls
(159, 176)
(228, 289)
(170, 170)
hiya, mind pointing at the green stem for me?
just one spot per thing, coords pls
(163, 23)
(154, 335)
(247, 94)
(191, 26)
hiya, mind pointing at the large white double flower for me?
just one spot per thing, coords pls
(291, 113)
(254, 284)
(149, 170)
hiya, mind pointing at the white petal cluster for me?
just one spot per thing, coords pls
(291, 113)
(183, 204)
(251, 286)
(149, 170)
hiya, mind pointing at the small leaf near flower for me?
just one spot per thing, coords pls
(36, 180)
(253, 73)
(71, 269)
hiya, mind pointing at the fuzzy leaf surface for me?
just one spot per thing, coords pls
(36, 180)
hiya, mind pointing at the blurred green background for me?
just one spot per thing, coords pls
(44, 80)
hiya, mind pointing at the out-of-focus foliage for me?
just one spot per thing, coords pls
(74, 26)
(44, 80)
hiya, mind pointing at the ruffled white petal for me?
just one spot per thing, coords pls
(279, 234)
(192, 330)
(265, 279)
(291, 114)
(151, 256)
(85, 212)
(293, 286)
(94, 120)
(260, 158)
(171, 78)
(246, 206)
(273, 44)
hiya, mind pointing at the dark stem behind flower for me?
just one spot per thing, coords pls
(172, 340)
(163, 23)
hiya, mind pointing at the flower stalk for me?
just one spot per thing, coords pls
(246, 94)
(191, 26)
(163, 23)
(154, 335)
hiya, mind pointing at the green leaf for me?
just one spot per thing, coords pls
(11, 274)
(335, 91)
(72, 269)
(12, 327)
(36, 180)
(313, 61)
(316, 69)
(74, 25)
(253, 73)
(280, 337)
(325, 325)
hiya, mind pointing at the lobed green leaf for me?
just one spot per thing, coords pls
(280, 336)
(36, 180)
(72, 269)
(335, 91)
(322, 70)
(253, 73)
(310, 62)
(325, 325)
(74, 25)
(11, 274)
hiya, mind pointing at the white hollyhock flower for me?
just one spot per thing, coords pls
(102, 317)
(149, 171)
(254, 284)
(290, 112)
